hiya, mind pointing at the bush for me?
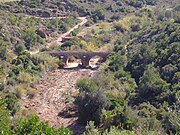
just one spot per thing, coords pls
(91, 129)
(20, 48)
(32, 126)
(98, 14)
(31, 38)
(90, 101)
(25, 77)
(3, 51)
(116, 131)
(48, 61)
(1, 86)
(12, 103)
(4, 120)
(20, 90)
(90, 106)
(86, 86)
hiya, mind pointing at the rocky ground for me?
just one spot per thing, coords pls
(54, 100)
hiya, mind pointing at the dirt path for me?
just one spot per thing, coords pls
(54, 94)
(61, 36)
(83, 21)
(44, 18)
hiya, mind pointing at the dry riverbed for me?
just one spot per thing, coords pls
(54, 96)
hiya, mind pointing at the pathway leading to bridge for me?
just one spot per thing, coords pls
(61, 36)
(83, 21)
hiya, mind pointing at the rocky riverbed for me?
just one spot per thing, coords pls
(54, 97)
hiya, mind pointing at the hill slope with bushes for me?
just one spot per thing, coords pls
(136, 91)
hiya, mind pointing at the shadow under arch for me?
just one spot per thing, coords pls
(96, 61)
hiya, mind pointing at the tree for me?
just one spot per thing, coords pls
(20, 47)
(176, 77)
(174, 119)
(31, 38)
(90, 101)
(168, 72)
(140, 60)
(117, 62)
(3, 51)
(98, 14)
(86, 86)
(151, 87)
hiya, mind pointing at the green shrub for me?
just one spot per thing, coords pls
(86, 86)
(11, 103)
(25, 77)
(5, 121)
(33, 126)
(48, 61)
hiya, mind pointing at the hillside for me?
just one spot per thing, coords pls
(97, 9)
(136, 91)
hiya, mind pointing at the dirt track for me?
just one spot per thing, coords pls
(53, 94)
(83, 21)
(61, 36)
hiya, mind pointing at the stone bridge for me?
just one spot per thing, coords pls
(84, 56)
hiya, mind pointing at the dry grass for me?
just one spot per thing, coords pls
(27, 113)
(20, 90)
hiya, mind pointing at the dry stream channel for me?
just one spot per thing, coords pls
(55, 97)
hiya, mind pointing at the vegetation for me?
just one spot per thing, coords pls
(136, 91)
(24, 126)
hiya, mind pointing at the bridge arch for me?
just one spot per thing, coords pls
(84, 57)
(73, 61)
(95, 61)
